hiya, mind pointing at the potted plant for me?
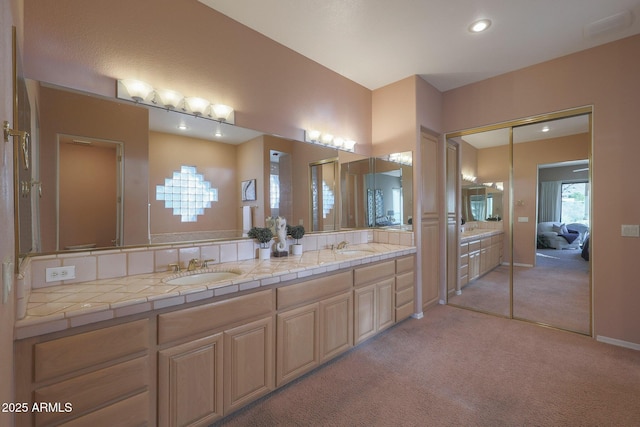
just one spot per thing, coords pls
(263, 235)
(296, 232)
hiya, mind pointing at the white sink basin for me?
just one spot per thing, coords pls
(199, 278)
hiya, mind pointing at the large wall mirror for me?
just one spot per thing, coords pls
(528, 182)
(138, 197)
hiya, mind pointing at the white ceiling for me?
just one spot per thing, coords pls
(378, 42)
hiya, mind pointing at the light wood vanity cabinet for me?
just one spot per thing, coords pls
(190, 382)
(374, 299)
(192, 366)
(204, 378)
(405, 281)
(478, 257)
(98, 373)
(314, 324)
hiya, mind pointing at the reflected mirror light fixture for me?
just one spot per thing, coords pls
(404, 158)
(143, 93)
(327, 139)
(480, 26)
(469, 178)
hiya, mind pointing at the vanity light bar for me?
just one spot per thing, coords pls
(328, 140)
(143, 93)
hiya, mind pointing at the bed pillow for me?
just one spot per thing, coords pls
(560, 228)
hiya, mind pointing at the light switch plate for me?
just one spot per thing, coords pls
(55, 274)
(630, 230)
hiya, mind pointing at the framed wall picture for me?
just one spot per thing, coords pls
(248, 190)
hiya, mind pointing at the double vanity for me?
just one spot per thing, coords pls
(187, 348)
(481, 250)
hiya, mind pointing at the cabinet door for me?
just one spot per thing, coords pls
(365, 312)
(190, 383)
(336, 325)
(474, 265)
(248, 363)
(385, 304)
(297, 342)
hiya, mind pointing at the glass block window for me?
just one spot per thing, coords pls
(274, 191)
(187, 194)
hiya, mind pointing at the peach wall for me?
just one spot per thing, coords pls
(9, 16)
(394, 117)
(74, 114)
(215, 161)
(188, 47)
(250, 164)
(605, 77)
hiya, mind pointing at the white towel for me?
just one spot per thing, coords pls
(246, 220)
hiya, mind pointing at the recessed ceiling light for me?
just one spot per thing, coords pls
(182, 126)
(545, 129)
(480, 26)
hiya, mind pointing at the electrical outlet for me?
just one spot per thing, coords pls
(55, 274)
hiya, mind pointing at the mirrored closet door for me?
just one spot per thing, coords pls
(552, 195)
(520, 244)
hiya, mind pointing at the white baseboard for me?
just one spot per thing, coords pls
(619, 343)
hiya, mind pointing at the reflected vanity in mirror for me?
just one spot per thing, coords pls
(377, 192)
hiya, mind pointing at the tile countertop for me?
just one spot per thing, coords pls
(62, 307)
(478, 233)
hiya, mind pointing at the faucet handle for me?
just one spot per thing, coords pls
(174, 267)
(205, 263)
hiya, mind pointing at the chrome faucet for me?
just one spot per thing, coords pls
(193, 264)
(342, 245)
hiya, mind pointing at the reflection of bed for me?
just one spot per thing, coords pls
(585, 248)
(385, 221)
(560, 236)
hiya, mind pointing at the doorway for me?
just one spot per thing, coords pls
(89, 202)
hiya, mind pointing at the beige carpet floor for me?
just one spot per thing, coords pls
(457, 367)
(554, 292)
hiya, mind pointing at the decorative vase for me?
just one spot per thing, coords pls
(265, 253)
(296, 249)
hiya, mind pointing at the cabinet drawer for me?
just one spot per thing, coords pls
(88, 392)
(486, 242)
(133, 411)
(464, 270)
(375, 272)
(404, 311)
(404, 296)
(404, 281)
(464, 260)
(405, 264)
(313, 290)
(204, 318)
(496, 239)
(464, 248)
(66, 355)
(474, 246)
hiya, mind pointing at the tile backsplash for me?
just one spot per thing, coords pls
(106, 264)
